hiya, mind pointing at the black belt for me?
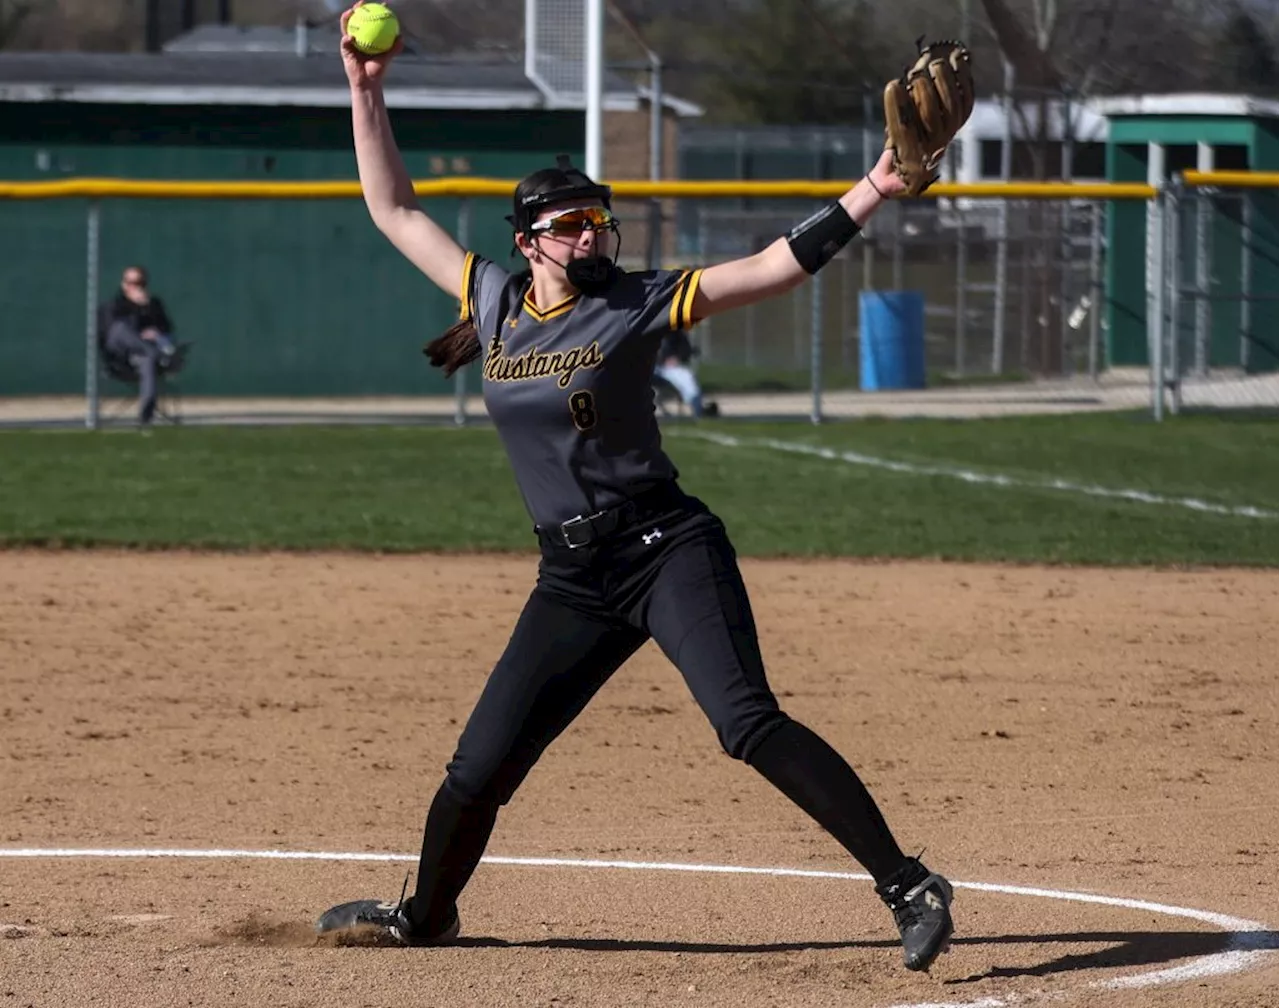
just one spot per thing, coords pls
(584, 530)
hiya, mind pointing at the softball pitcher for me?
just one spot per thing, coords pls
(567, 347)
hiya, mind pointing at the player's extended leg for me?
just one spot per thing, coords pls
(556, 661)
(557, 658)
(698, 612)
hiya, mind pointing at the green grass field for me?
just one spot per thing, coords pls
(423, 488)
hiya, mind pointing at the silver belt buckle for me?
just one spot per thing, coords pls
(565, 526)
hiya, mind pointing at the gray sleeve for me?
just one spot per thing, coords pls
(662, 301)
(482, 283)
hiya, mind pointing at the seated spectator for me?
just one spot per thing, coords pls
(674, 356)
(137, 328)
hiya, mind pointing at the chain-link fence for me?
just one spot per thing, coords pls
(1025, 304)
(1011, 289)
(1217, 302)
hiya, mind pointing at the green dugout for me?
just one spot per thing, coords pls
(1226, 247)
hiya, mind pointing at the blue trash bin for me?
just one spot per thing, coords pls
(891, 340)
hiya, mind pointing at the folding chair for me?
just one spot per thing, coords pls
(168, 394)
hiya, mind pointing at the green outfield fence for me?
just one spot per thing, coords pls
(287, 290)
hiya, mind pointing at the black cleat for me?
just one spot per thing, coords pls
(390, 918)
(921, 905)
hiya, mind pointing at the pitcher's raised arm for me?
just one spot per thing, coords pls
(388, 189)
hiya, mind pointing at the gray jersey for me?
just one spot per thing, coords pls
(568, 386)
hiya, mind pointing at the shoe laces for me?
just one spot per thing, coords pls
(911, 876)
(401, 915)
(908, 912)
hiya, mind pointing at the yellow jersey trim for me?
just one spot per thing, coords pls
(555, 311)
(681, 315)
(468, 269)
(673, 313)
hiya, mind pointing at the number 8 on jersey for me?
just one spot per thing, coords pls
(583, 407)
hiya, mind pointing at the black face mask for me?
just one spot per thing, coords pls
(592, 275)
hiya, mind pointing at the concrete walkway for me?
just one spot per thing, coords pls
(1115, 391)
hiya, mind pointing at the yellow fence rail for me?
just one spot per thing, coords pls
(707, 189)
(1232, 179)
(627, 189)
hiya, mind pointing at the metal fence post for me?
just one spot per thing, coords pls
(1155, 306)
(1002, 247)
(962, 281)
(815, 347)
(654, 253)
(1065, 358)
(460, 376)
(1173, 269)
(1069, 357)
(1002, 286)
(1204, 272)
(93, 235)
(1246, 272)
(1031, 243)
(1095, 286)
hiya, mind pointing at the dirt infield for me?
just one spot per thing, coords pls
(1109, 732)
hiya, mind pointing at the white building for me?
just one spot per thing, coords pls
(976, 152)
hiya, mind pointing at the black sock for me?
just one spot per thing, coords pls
(453, 842)
(813, 775)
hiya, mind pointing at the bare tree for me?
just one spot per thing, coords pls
(1063, 52)
(70, 25)
(1027, 41)
(13, 13)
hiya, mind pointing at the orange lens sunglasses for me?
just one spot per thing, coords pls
(577, 220)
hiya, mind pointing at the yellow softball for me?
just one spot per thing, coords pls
(373, 28)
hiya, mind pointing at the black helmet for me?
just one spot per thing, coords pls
(553, 185)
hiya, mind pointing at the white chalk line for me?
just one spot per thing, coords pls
(989, 479)
(1247, 945)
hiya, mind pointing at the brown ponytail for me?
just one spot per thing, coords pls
(456, 348)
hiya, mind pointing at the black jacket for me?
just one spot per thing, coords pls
(139, 317)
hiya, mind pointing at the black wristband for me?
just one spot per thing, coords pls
(815, 242)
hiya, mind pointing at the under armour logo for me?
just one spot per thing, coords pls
(931, 900)
(650, 537)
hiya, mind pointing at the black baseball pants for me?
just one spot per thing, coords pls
(671, 575)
